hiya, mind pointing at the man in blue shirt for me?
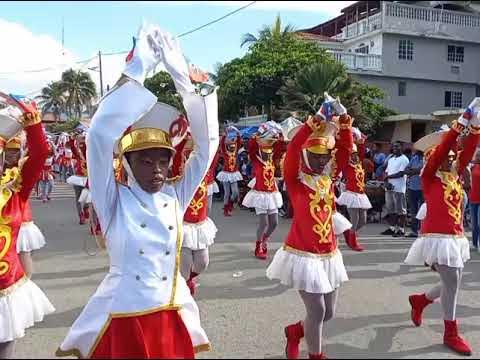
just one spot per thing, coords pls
(414, 186)
(378, 159)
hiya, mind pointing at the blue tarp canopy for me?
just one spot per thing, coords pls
(249, 131)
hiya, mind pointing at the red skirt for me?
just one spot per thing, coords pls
(160, 335)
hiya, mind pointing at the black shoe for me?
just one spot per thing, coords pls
(399, 234)
(388, 232)
(412, 235)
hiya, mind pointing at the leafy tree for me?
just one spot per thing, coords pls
(268, 32)
(52, 99)
(256, 78)
(67, 126)
(79, 90)
(162, 86)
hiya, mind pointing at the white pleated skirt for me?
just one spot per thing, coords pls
(199, 236)
(229, 177)
(354, 200)
(263, 200)
(441, 249)
(21, 308)
(30, 238)
(313, 273)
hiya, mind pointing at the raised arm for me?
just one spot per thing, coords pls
(441, 151)
(117, 111)
(253, 149)
(293, 156)
(38, 152)
(470, 144)
(202, 113)
(343, 144)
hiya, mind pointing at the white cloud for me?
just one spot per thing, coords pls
(331, 8)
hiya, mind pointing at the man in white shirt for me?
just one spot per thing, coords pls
(396, 186)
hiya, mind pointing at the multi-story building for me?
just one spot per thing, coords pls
(424, 55)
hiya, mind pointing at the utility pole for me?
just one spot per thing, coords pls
(100, 67)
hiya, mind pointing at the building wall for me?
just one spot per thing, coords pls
(430, 59)
(422, 96)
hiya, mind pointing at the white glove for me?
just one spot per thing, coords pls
(174, 61)
(471, 114)
(338, 107)
(145, 55)
(357, 134)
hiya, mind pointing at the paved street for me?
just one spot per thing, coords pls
(244, 316)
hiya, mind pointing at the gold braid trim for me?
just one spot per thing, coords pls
(457, 126)
(29, 119)
(475, 130)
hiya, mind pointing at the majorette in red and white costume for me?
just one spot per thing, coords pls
(310, 260)
(22, 303)
(264, 196)
(350, 165)
(143, 308)
(442, 243)
(230, 175)
(212, 186)
(46, 181)
(29, 236)
(79, 179)
(198, 229)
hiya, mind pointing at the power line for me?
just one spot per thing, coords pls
(126, 51)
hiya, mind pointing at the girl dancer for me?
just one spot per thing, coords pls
(354, 198)
(310, 260)
(22, 303)
(442, 243)
(230, 175)
(264, 197)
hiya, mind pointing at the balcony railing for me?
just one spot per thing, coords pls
(404, 17)
(421, 13)
(354, 61)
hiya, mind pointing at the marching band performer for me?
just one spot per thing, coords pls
(79, 179)
(46, 181)
(143, 308)
(264, 197)
(212, 186)
(230, 175)
(354, 198)
(442, 243)
(198, 229)
(309, 259)
(22, 303)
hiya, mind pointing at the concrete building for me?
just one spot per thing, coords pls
(424, 55)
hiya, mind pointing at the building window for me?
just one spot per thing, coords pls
(453, 99)
(455, 53)
(402, 88)
(362, 49)
(405, 50)
(455, 69)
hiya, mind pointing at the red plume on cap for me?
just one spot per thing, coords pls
(130, 54)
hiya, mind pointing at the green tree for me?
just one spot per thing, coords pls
(276, 31)
(162, 86)
(52, 99)
(67, 126)
(305, 93)
(255, 79)
(79, 90)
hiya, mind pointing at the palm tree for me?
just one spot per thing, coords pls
(274, 32)
(79, 89)
(52, 99)
(305, 92)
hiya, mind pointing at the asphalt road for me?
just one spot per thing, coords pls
(244, 315)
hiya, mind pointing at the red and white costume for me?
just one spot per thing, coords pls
(354, 196)
(264, 195)
(22, 303)
(30, 237)
(442, 240)
(310, 259)
(143, 307)
(230, 172)
(212, 186)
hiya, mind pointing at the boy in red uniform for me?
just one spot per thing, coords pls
(442, 243)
